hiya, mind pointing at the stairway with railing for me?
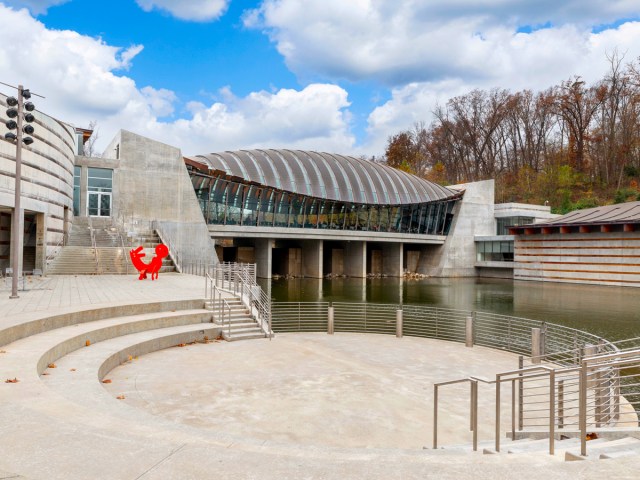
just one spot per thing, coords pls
(568, 383)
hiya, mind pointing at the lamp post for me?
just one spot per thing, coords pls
(16, 115)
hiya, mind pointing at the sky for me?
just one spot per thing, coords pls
(337, 76)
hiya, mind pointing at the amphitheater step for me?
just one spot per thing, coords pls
(604, 449)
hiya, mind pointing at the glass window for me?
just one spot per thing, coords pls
(100, 179)
(76, 190)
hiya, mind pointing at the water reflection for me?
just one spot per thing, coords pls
(611, 312)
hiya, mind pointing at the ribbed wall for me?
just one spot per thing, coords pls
(47, 176)
(596, 258)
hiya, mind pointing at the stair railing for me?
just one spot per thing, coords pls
(165, 238)
(218, 303)
(93, 244)
(53, 253)
(473, 407)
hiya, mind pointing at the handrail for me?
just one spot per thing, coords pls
(166, 239)
(220, 303)
(55, 251)
(93, 244)
(473, 413)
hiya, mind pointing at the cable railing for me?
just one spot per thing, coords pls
(568, 381)
(93, 244)
(166, 239)
(218, 304)
(240, 280)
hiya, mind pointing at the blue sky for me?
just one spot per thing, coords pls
(331, 75)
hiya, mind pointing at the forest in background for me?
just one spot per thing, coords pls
(572, 145)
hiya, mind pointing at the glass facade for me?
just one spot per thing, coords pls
(494, 251)
(99, 190)
(226, 202)
(504, 223)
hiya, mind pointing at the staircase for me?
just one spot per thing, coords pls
(110, 255)
(149, 241)
(237, 323)
(77, 257)
(567, 449)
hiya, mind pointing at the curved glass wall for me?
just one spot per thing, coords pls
(227, 202)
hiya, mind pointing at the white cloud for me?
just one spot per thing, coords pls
(405, 41)
(36, 7)
(193, 10)
(83, 80)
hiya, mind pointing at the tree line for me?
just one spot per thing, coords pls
(573, 145)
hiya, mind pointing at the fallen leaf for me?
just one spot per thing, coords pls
(45, 373)
(87, 343)
(51, 365)
(120, 397)
(106, 380)
(130, 358)
(72, 370)
(11, 380)
(181, 345)
(3, 351)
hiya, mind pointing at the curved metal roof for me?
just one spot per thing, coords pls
(324, 175)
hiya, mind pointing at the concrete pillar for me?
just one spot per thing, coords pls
(376, 262)
(84, 178)
(355, 261)
(264, 257)
(337, 261)
(294, 262)
(392, 256)
(41, 241)
(399, 323)
(330, 321)
(312, 254)
(537, 345)
(469, 332)
(413, 259)
(20, 242)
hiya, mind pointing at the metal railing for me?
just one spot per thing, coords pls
(569, 381)
(49, 258)
(166, 239)
(93, 244)
(240, 280)
(218, 304)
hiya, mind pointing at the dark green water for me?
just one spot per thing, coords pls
(610, 312)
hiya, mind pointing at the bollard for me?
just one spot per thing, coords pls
(536, 345)
(469, 332)
(399, 323)
(330, 321)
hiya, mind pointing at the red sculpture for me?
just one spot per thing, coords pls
(154, 265)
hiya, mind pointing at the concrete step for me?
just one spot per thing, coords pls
(599, 447)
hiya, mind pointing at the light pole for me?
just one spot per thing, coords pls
(16, 115)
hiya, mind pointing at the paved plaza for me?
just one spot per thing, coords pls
(299, 406)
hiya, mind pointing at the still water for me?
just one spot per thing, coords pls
(610, 312)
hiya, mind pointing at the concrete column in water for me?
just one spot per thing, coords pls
(264, 257)
(392, 257)
(355, 259)
(312, 254)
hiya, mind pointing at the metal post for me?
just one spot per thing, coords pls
(469, 332)
(330, 321)
(399, 323)
(536, 345)
(17, 222)
(513, 409)
(560, 404)
(582, 415)
(552, 411)
(474, 413)
(498, 412)
(520, 394)
(435, 417)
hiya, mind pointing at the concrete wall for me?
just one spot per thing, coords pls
(593, 258)
(47, 180)
(152, 183)
(473, 216)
